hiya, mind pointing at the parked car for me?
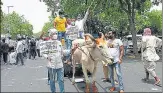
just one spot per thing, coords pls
(130, 42)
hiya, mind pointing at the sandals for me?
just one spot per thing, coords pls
(157, 82)
(112, 89)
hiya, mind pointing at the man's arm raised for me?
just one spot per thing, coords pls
(86, 16)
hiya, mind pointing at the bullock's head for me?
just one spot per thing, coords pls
(90, 40)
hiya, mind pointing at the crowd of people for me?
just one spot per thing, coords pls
(12, 51)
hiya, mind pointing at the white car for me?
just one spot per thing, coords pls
(130, 42)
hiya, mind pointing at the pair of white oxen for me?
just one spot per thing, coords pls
(88, 54)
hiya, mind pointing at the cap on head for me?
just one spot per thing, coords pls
(52, 32)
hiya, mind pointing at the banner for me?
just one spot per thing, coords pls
(47, 47)
(72, 33)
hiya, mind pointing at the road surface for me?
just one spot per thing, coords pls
(33, 78)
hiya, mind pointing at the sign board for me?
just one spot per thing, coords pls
(47, 47)
(72, 33)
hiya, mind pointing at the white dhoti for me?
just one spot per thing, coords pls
(150, 67)
(150, 57)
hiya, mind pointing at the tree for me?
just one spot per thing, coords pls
(120, 14)
(52, 5)
(46, 27)
(15, 24)
(1, 13)
(155, 19)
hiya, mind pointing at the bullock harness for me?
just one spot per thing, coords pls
(86, 53)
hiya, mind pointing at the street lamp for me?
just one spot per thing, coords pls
(8, 13)
(9, 8)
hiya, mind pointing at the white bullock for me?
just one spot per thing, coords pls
(88, 55)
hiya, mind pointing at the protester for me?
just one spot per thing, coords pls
(32, 48)
(19, 51)
(70, 24)
(102, 41)
(150, 56)
(5, 50)
(24, 47)
(38, 47)
(55, 65)
(116, 50)
(60, 23)
(80, 24)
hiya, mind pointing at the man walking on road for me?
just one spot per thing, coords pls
(19, 51)
(5, 50)
(149, 54)
(32, 48)
(116, 50)
(38, 47)
(55, 64)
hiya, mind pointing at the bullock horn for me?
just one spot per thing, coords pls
(90, 36)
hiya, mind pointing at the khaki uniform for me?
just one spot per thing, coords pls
(149, 54)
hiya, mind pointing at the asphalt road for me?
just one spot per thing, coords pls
(33, 78)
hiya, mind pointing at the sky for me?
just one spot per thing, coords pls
(34, 11)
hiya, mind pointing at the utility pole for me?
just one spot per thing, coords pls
(8, 13)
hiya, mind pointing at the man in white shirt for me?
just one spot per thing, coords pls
(149, 43)
(116, 51)
(19, 51)
(80, 24)
(55, 64)
(38, 47)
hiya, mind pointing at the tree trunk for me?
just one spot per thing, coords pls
(132, 29)
(52, 13)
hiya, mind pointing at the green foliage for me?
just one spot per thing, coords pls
(116, 13)
(155, 19)
(149, 19)
(15, 24)
(46, 27)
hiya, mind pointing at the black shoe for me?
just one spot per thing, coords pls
(22, 64)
